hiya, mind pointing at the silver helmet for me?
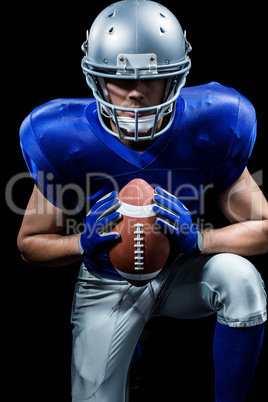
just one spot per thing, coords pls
(136, 39)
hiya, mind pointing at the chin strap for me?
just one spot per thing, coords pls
(145, 123)
(128, 123)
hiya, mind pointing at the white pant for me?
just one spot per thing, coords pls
(109, 315)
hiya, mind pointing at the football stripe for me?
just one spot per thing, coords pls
(136, 211)
(138, 276)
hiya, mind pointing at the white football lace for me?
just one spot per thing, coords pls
(139, 258)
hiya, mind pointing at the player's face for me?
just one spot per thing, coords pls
(136, 94)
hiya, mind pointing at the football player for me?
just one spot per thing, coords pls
(142, 123)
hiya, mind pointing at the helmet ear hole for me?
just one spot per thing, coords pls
(171, 87)
(103, 88)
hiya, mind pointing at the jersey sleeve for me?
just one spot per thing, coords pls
(241, 145)
(40, 167)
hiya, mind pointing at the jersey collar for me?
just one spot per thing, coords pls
(139, 160)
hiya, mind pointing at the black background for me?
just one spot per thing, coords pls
(41, 62)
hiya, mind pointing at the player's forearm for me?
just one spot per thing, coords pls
(244, 238)
(49, 250)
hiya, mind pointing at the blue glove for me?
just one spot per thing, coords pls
(98, 226)
(174, 219)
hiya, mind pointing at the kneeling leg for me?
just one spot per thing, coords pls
(240, 327)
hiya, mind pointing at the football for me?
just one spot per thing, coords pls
(143, 249)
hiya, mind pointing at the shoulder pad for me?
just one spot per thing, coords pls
(51, 125)
(219, 122)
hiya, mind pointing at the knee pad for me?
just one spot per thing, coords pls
(240, 295)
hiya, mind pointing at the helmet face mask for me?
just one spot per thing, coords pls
(131, 40)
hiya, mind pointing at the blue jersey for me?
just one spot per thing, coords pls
(74, 161)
